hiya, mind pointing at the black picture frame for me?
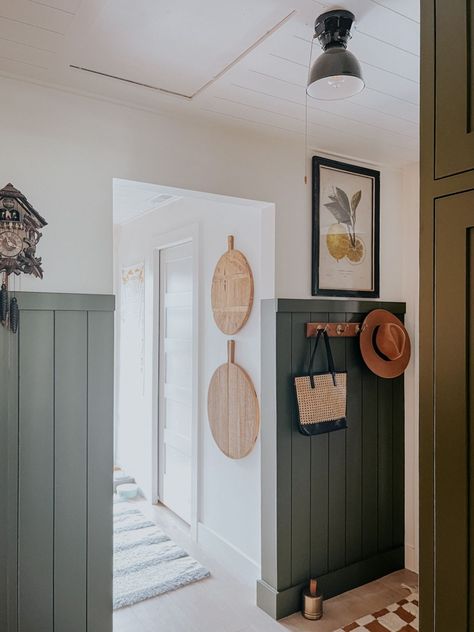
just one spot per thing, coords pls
(316, 290)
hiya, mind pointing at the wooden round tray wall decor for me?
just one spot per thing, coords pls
(232, 290)
(232, 408)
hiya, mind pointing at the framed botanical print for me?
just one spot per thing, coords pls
(346, 220)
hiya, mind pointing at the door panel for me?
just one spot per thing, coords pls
(446, 327)
(453, 429)
(454, 142)
(176, 388)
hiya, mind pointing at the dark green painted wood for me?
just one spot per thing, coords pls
(454, 145)
(398, 462)
(385, 463)
(454, 218)
(292, 305)
(284, 432)
(40, 301)
(340, 472)
(354, 449)
(470, 412)
(268, 442)
(370, 460)
(398, 465)
(99, 470)
(4, 422)
(319, 485)
(8, 474)
(446, 70)
(300, 462)
(70, 529)
(267, 598)
(44, 466)
(337, 470)
(36, 472)
(279, 604)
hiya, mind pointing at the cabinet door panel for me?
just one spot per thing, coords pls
(454, 112)
(453, 423)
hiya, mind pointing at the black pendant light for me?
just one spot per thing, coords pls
(335, 74)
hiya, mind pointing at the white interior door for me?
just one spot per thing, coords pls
(175, 378)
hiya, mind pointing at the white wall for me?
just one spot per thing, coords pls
(63, 150)
(229, 490)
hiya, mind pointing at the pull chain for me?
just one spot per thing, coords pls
(306, 116)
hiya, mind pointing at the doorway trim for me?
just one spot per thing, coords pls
(188, 233)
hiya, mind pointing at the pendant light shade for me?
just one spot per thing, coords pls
(336, 73)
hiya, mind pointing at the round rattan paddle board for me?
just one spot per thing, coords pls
(232, 408)
(232, 290)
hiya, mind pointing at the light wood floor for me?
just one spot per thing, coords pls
(223, 603)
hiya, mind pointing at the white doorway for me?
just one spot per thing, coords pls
(175, 376)
(227, 523)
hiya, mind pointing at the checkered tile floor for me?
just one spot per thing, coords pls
(399, 617)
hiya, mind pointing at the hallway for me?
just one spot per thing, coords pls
(224, 603)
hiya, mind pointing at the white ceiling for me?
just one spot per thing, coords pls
(132, 199)
(242, 61)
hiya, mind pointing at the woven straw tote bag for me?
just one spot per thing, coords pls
(321, 397)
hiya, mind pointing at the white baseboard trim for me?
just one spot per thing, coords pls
(411, 558)
(232, 558)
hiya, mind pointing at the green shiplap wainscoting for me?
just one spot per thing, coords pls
(56, 458)
(332, 504)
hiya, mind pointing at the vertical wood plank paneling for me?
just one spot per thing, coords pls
(300, 462)
(9, 475)
(99, 470)
(284, 431)
(398, 462)
(369, 463)
(4, 514)
(347, 498)
(353, 449)
(319, 484)
(385, 462)
(337, 470)
(70, 471)
(36, 471)
(470, 411)
(268, 442)
(12, 483)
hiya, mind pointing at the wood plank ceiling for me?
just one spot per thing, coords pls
(240, 61)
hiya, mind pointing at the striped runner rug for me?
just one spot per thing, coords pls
(146, 562)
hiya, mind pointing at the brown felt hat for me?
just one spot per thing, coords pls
(384, 344)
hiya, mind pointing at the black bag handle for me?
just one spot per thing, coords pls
(330, 359)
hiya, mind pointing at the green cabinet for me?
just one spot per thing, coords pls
(446, 316)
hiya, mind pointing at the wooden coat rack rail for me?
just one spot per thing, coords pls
(334, 330)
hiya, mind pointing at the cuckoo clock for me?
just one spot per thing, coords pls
(20, 227)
